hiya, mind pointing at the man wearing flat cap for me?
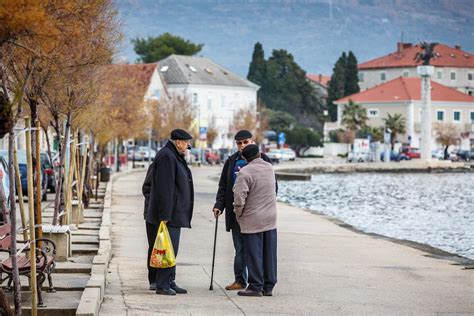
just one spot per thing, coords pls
(169, 197)
(256, 212)
(225, 200)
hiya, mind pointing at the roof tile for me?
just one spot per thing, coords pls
(406, 89)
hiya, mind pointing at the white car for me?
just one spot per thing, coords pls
(142, 153)
(358, 157)
(275, 155)
(287, 154)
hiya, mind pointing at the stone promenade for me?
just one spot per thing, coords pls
(323, 268)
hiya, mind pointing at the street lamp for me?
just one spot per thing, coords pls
(150, 129)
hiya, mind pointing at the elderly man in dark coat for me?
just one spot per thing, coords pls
(169, 197)
(225, 200)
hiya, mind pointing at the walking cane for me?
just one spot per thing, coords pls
(214, 255)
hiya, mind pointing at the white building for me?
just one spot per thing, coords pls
(403, 95)
(454, 67)
(214, 91)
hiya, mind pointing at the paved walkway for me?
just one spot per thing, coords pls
(323, 268)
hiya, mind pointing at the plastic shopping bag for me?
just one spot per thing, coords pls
(162, 255)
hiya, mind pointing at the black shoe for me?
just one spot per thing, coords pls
(267, 293)
(152, 286)
(249, 292)
(165, 292)
(179, 290)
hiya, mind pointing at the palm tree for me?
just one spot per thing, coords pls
(354, 116)
(397, 123)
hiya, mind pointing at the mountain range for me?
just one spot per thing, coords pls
(316, 32)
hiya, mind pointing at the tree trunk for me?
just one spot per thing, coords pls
(4, 306)
(59, 182)
(16, 275)
(446, 156)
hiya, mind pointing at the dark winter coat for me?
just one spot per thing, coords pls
(171, 193)
(225, 195)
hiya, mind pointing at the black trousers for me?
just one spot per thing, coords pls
(261, 257)
(164, 278)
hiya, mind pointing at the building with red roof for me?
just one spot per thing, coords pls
(403, 95)
(320, 83)
(454, 67)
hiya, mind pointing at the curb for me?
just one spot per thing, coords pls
(93, 294)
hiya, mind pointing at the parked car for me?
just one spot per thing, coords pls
(21, 154)
(212, 157)
(394, 156)
(466, 155)
(4, 178)
(50, 172)
(224, 153)
(412, 152)
(275, 155)
(142, 153)
(358, 157)
(287, 154)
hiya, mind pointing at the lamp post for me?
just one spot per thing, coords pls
(150, 129)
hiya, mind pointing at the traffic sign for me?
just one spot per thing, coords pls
(202, 133)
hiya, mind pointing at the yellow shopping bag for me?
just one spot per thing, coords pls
(162, 255)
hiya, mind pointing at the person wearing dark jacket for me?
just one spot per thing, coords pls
(169, 197)
(225, 200)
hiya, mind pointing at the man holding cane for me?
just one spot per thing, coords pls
(225, 200)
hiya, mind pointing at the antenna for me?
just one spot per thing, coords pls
(402, 37)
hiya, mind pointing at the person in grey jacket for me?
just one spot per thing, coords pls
(256, 212)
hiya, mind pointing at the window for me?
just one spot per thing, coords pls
(457, 116)
(439, 75)
(440, 116)
(470, 76)
(373, 112)
(191, 68)
(383, 76)
(361, 76)
(195, 98)
(472, 117)
(164, 68)
(223, 101)
(406, 73)
(453, 75)
(209, 104)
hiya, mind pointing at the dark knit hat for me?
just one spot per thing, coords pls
(180, 134)
(250, 152)
(243, 134)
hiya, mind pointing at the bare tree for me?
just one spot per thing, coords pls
(447, 134)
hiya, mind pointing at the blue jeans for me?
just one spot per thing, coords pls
(240, 266)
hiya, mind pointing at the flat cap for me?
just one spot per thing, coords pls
(180, 134)
(243, 134)
(250, 152)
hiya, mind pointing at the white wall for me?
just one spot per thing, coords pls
(334, 149)
(220, 102)
(372, 77)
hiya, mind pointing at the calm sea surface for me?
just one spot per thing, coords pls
(434, 209)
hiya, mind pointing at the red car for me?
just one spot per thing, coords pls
(211, 156)
(411, 152)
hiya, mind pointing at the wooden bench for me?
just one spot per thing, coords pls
(45, 263)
